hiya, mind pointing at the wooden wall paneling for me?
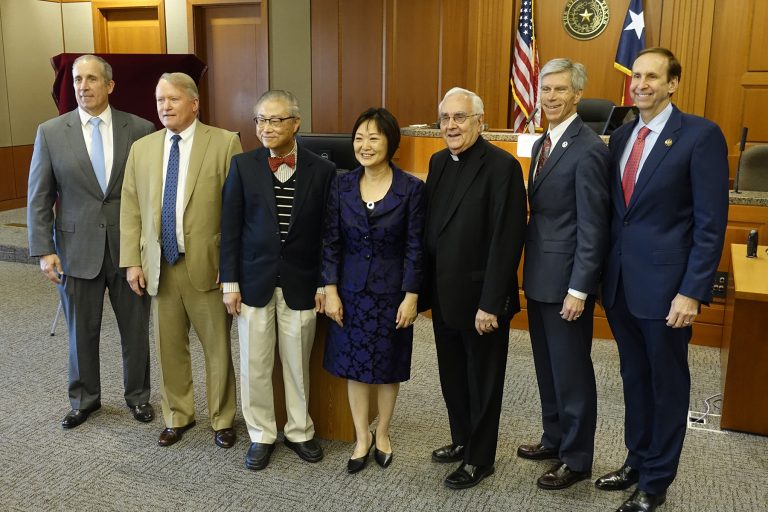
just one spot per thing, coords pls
(755, 113)
(411, 59)
(361, 61)
(454, 59)
(728, 61)
(233, 40)
(758, 57)
(326, 115)
(490, 35)
(22, 157)
(129, 26)
(687, 31)
(7, 177)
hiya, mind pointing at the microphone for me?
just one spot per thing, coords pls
(529, 119)
(742, 142)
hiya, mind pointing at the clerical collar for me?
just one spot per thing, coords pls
(467, 153)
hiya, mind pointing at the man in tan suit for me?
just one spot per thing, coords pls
(170, 229)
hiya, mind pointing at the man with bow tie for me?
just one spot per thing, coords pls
(271, 235)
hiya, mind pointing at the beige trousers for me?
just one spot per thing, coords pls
(260, 329)
(177, 305)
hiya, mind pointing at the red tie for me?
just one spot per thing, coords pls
(276, 161)
(543, 156)
(633, 162)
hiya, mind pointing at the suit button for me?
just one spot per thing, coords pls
(366, 237)
(367, 256)
(626, 223)
(101, 225)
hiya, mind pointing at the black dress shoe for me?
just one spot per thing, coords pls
(383, 459)
(172, 435)
(224, 438)
(142, 412)
(76, 417)
(561, 476)
(258, 455)
(308, 450)
(536, 452)
(641, 501)
(623, 478)
(448, 453)
(467, 476)
(355, 465)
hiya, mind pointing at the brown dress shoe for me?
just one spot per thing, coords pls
(642, 501)
(536, 452)
(172, 435)
(225, 438)
(560, 476)
(623, 478)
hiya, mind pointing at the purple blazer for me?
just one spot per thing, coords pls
(383, 252)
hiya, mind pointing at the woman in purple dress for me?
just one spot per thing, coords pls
(372, 272)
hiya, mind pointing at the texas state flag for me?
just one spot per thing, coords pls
(632, 40)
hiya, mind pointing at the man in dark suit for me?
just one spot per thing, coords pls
(669, 196)
(565, 246)
(271, 237)
(473, 238)
(77, 171)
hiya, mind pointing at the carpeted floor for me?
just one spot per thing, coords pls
(112, 462)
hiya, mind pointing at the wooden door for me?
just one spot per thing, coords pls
(234, 42)
(129, 26)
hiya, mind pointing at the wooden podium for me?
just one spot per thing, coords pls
(744, 353)
(328, 402)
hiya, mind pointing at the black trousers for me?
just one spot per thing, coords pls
(472, 369)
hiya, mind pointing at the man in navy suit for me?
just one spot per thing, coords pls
(474, 234)
(271, 237)
(669, 196)
(565, 246)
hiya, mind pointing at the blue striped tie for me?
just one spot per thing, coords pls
(97, 154)
(168, 214)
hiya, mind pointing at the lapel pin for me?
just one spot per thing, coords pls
(565, 144)
(668, 142)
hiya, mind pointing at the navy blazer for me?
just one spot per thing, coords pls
(567, 235)
(669, 239)
(383, 252)
(251, 251)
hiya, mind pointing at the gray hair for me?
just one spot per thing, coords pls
(577, 70)
(477, 102)
(182, 81)
(279, 95)
(106, 69)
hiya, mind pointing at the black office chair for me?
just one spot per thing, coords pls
(754, 169)
(594, 112)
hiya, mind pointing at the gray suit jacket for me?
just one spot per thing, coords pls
(61, 174)
(567, 236)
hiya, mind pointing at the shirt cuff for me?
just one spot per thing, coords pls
(230, 287)
(320, 290)
(577, 294)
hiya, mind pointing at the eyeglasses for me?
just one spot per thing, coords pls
(274, 122)
(458, 118)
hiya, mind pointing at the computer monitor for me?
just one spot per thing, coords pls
(336, 147)
(619, 115)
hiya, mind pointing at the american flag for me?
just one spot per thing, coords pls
(525, 70)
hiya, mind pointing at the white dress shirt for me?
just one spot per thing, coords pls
(105, 127)
(185, 149)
